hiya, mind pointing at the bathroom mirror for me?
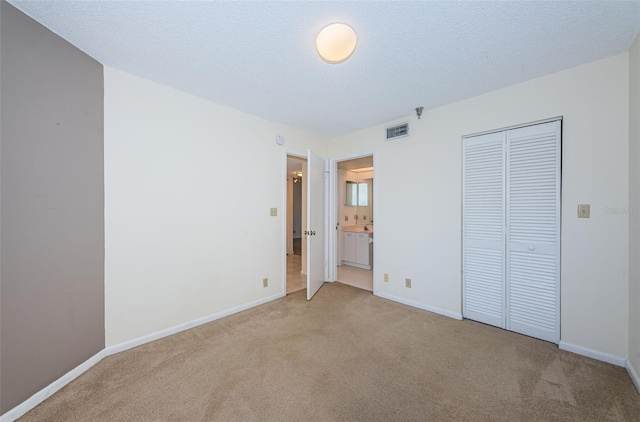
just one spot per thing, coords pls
(355, 185)
(358, 202)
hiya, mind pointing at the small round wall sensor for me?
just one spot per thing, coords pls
(280, 140)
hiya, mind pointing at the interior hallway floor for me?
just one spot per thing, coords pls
(356, 277)
(295, 280)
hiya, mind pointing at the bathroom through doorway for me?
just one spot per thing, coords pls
(354, 218)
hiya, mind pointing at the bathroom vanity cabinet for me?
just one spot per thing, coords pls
(357, 250)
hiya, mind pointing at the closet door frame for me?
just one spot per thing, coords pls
(506, 322)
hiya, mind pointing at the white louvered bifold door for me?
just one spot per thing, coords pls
(483, 215)
(533, 231)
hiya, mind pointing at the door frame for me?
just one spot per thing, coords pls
(559, 184)
(332, 272)
(297, 154)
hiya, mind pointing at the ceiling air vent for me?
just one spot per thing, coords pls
(398, 131)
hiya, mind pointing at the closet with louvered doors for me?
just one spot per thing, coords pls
(511, 229)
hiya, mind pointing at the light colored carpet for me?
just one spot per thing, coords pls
(345, 356)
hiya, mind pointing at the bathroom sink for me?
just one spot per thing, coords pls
(358, 229)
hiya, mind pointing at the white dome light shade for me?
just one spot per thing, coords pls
(336, 43)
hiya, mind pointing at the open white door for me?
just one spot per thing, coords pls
(315, 231)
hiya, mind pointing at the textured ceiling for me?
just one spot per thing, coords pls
(259, 57)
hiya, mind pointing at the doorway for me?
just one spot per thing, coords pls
(354, 218)
(313, 257)
(296, 200)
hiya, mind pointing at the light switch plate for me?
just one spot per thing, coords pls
(584, 210)
(265, 282)
(346, 218)
(273, 212)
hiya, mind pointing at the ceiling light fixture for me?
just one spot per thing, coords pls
(336, 43)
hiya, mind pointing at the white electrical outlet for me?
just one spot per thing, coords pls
(407, 282)
(386, 277)
(265, 282)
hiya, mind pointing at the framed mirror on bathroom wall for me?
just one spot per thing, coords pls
(358, 198)
(355, 191)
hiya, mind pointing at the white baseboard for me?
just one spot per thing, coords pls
(633, 374)
(356, 265)
(594, 354)
(130, 344)
(418, 305)
(49, 390)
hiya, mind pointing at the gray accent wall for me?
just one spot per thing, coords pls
(52, 196)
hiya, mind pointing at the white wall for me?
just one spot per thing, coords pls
(188, 187)
(634, 204)
(423, 171)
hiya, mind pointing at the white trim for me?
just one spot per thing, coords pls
(332, 213)
(27, 405)
(297, 154)
(590, 353)
(349, 157)
(332, 203)
(130, 344)
(356, 265)
(418, 305)
(633, 374)
(536, 122)
(286, 153)
(374, 212)
(285, 216)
